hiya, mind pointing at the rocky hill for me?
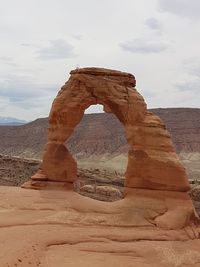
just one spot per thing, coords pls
(99, 139)
(184, 126)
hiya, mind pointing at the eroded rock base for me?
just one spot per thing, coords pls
(62, 228)
(47, 185)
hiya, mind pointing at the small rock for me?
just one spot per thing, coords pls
(109, 191)
(88, 188)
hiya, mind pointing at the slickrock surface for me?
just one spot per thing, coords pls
(152, 160)
(97, 184)
(51, 228)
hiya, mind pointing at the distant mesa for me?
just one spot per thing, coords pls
(107, 135)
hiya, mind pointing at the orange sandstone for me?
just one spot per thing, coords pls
(152, 160)
(58, 227)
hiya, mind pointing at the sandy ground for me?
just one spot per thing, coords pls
(58, 228)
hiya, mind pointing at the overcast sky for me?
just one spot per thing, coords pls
(42, 40)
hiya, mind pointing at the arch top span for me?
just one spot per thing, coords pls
(152, 160)
(125, 78)
(115, 90)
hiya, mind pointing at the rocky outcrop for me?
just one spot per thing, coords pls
(152, 161)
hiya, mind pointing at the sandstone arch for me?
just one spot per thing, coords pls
(152, 160)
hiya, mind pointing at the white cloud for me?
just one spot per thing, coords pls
(184, 8)
(8, 61)
(23, 92)
(144, 46)
(154, 44)
(192, 66)
(189, 85)
(153, 24)
(189, 79)
(56, 49)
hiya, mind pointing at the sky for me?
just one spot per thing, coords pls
(42, 40)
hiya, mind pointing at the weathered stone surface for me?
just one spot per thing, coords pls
(109, 191)
(152, 161)
(88, 188)
(58, 164)
(59, 228)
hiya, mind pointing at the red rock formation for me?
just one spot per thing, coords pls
(62, 228)
(152, 161)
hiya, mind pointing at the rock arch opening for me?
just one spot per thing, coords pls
(152, 160)
(100, 149)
